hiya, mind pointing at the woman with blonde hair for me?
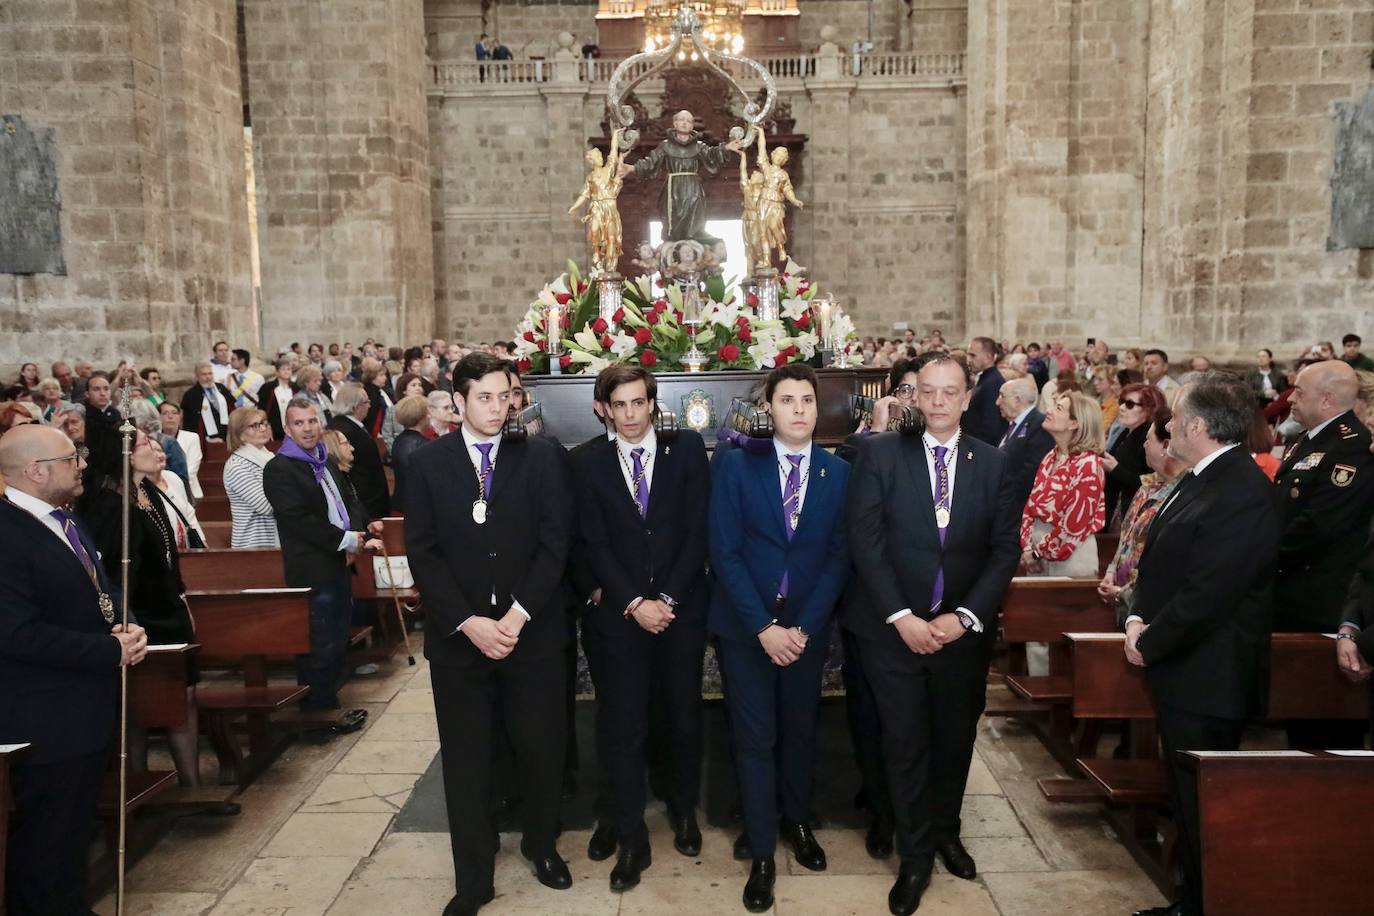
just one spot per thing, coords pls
(1066, 507)
(310, 383)
(254, 525)
(1102, 380)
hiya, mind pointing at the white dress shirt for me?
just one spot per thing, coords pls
(41, 511)
(471, 439)
(929, 442)
(785, 470)
(626, 460)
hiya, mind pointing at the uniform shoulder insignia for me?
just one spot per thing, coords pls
(1342, 475)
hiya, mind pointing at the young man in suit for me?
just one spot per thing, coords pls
(983, 420)
(368, 475)
(206, 405)
(487, 532)
(320, 527)
(274, 395)
(933, 534)
(780, 557)
(643, 505)
(60, 654)
(1204, 595)
(1025, 442)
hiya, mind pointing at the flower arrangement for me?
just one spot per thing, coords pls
(649, 331)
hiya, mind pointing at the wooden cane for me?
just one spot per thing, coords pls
(400, 615)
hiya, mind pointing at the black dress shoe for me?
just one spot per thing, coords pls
(603, 843)
(551, 871)
(956, 859)
(468, 906)
(350, 721)
(743, 852)
(879, 840)
(758, 890)
(802, 842)
(687, 835)
(1172, 909)
(905, 895)
(628, 867)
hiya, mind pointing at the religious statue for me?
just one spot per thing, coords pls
(775, 187)
(756, 250)
(683, 201)
(599, 193)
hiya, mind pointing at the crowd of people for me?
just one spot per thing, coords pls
(1242, 501)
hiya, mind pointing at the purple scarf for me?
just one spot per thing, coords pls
(317, 460)
(755, 445)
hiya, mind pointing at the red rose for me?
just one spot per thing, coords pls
(742, 321)
(599, 326)
(581, 286)
(543, 345)
(529, 335)
(651, 317)
(661, 305)
(562, 298)
(606, 341)
(792, 350)
(746, 335)
(780, 359)
(619, 316)
(643, 335)
(728, 353)
(803, 288)
(658, 281)
(565, 361)
(677, 315)
(751, 300)
(648, 358)
(523, 364)
(804, 321)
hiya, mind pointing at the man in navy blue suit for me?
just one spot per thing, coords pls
(60, 654)
(1025, 442)
(982, 420)
(780, 556)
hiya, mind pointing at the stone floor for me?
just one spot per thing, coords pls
(316, 837)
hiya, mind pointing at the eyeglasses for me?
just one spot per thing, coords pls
(259, 424)
(905, 392)
(81, 454)
(1129, 403)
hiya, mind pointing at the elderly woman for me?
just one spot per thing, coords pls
(49, 398)
(333, 377)
(71, 419)
(442, 417)
(341, 450)
(169, 415)
(149, 420)
(1124, 461)
(412, 412)
(1118, 583)
(310, 382)
(253, 522)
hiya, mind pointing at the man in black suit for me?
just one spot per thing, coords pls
(368, 476)
(487, 532)
(206, 405)
(60, 654)
(933, 532)
(1204, 597)
(983, 421)
(1355, 640)
(1025, 442)
(320, 527)
(99, 397)
(1324, 494)
(643, 505)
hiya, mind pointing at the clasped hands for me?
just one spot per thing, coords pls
(653, 614)
(928, 637)
(133, 643)
(783, 645)
(495, 638)
(374, 542)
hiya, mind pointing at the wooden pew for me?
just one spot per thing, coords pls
(214, 450)
(365, 585)
(245, 628)
(1273, 823)
(212, 487)
(7, 753)
(218, 535)
(214, 509)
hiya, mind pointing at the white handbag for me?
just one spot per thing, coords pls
(392, 572)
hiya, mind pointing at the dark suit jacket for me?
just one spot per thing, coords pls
(376, 409)
(1028, 444)
(309, 541)
(983, 420)
(895, 543)
(1324, 494)
(191, 403)
(405, 445)
(367, 472)
(750, 549)
(662, 554)
(518, 554)
(59, 667)
(267, 403)
(1124, 480)
(1359, 601)
(1205, 588)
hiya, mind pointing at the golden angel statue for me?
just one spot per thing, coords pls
(599, 193)
(750, 186)
(775, 187)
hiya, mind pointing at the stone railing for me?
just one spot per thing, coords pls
(895, 66)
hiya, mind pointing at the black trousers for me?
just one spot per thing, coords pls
(527, 695)
(929, 707)
(1180, 730)
(50, 835)
(865, 731)
(633, 659)
(603, 806)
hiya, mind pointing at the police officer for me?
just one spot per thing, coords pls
(1324, 492)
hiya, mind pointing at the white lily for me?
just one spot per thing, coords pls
(794, 308)
(623, 345)
(587, 339)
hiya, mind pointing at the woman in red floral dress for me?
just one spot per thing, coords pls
(1066, 508)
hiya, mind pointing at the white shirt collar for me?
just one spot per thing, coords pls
(783, 451)
(30, 504)
(355, 420)
(1021, 417)
(649, 443)
(931, 441)
(1312, 433)
(1202, 465)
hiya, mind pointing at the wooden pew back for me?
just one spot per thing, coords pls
(1043, 610)
(212, 569)
(1105, 685)
(252, 623)
(157, 687)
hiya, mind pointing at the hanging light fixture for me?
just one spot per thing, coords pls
(722, 23)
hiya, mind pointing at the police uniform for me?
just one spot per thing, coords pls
(1324, 492)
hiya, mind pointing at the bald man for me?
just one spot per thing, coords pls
(1324, 492)
(60, 654)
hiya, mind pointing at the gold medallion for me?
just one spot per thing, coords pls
(106, 607)
(479, 511)
(942, 516)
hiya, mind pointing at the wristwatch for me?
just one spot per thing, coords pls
(1349, 636)
(966, 619)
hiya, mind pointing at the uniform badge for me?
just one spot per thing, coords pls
(1347, 432)
(1309, 461)
(1342, 475)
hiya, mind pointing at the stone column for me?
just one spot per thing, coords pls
(142, 99)
(823, 227)
(336, 91)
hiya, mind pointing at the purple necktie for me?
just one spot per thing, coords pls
(69, 529)
(641, 482)
(942, 499)
(485, 481)
(791, 501)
